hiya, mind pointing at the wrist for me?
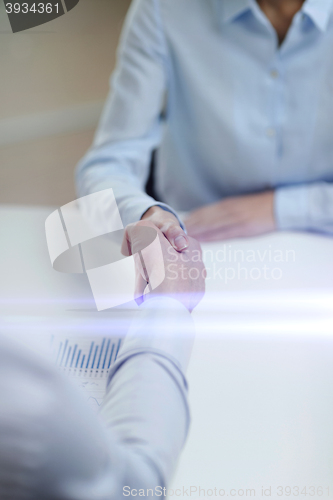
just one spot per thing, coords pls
(151, 211)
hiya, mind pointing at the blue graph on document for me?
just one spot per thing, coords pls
(82, 354)
(87, 362)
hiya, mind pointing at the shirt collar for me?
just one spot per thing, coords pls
(319, 11)
(233, 8)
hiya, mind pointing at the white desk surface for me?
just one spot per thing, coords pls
(261, 373)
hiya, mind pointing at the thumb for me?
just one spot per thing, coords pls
(176, 236)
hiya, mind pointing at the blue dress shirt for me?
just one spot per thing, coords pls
(53, 447)
(241, 113)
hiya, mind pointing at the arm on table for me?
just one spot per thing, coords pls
(307, 207)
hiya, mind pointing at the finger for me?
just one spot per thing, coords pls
(140, 279)
(140, 286)
(126, 247)
(137, 237)
(175, 235)
(150, 248)
(194, 247)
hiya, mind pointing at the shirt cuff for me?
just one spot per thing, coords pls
(164, 326)
(291, 207)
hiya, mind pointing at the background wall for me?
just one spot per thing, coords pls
(54, 80)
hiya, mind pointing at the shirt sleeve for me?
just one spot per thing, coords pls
(130, 126)
(305, 207)
(53, 446)
(147, 384)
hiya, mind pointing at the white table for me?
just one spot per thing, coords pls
(261, 374)
(53, 312)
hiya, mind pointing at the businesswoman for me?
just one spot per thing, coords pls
(237, 98)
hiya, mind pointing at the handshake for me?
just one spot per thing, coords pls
(184, 271)
(76, 241)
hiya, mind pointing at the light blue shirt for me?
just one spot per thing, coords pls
(241, 114)
(53, 446)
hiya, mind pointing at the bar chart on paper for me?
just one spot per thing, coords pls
(82, 344)
(87, 362)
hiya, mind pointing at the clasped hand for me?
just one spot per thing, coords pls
(181, 274)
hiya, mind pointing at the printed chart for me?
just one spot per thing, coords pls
(87, 362)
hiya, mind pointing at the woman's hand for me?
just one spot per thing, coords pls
(236, 217)
(168, 224)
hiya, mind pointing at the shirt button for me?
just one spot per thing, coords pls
(271, 132)
(274, 74)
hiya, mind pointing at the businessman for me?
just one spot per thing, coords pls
(237, 97)
(53, 447)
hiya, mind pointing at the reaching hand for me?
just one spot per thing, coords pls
(184, 272)
(236, 217)
(168, 224)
